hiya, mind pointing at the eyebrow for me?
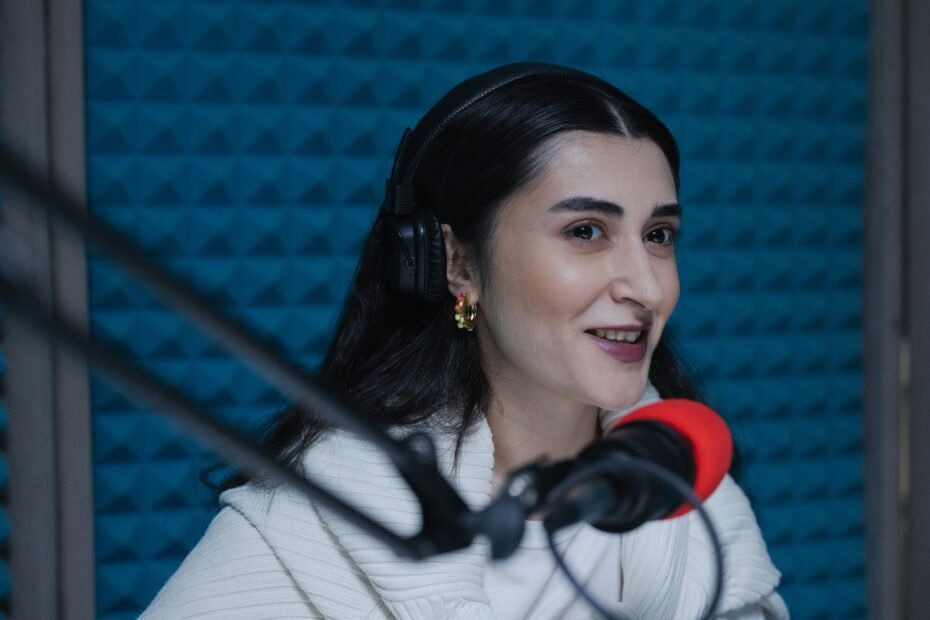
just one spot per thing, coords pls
(673, 209)
(585, 203)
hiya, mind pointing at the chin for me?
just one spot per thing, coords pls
(626, 394)
(629, 397)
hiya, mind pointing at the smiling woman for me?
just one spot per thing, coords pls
(578, 295)
(540, 214)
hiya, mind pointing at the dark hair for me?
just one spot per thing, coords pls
(403, 360)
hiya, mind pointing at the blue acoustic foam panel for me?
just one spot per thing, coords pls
(244, 146)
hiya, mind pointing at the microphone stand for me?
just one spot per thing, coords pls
(448, 523)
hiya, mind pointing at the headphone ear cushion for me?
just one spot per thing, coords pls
(435, 264)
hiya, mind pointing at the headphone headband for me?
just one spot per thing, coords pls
(416, 252)
(400, 199)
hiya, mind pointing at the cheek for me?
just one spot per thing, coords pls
(541, 287)
(531, 304)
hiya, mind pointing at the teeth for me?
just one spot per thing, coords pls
(617, 336)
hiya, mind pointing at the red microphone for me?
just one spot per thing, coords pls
(605, 487)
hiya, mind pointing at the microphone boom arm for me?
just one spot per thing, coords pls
(448, 523)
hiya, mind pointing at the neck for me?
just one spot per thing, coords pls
(528, 426)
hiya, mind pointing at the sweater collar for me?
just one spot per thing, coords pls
(669, 561)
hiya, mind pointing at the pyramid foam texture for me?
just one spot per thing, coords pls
(244, 145)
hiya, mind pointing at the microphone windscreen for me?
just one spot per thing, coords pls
(705, 431)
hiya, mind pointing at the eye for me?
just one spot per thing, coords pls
(587, 231)
(664, 235)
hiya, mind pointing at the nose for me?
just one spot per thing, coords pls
(635, 277)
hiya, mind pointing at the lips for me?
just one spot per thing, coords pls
(626, 344)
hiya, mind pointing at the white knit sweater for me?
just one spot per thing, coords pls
(273, 554)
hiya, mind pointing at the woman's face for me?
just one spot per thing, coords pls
(583, 277)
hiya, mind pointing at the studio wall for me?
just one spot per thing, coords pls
(245, 144)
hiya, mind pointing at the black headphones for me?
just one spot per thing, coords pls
(416, 252)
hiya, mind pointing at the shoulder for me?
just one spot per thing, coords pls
(230, 572)
(669, 565)
(335, 563)
(750, 577)
(362, 474)
(271, 548)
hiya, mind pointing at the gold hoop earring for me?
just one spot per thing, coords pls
(465, 313)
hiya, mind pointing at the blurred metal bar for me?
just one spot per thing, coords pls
(230, 443)
(882, 321)
(917, 270)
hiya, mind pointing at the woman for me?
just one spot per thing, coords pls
(547, 204)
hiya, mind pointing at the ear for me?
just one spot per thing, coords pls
(460, 274)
